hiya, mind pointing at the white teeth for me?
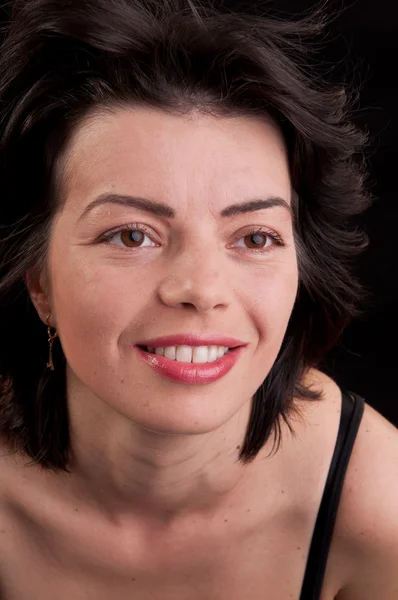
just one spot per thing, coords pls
(220, 351)
(184, 354)
(200, 354)
(170, 352)
(195, 354)
(213, 354)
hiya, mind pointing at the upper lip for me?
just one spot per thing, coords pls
(192, 339)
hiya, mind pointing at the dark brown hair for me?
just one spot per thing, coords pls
(60, 60)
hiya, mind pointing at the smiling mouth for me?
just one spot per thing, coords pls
(188, 354)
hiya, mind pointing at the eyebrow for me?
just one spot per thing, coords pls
(164, 210)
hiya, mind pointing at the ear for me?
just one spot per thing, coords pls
(37, 284)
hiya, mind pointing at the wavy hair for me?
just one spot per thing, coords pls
(61, 60)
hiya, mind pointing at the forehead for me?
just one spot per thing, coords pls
(151, 152)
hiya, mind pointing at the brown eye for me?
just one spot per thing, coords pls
(256, 240)
(259, 240)
(132, 238)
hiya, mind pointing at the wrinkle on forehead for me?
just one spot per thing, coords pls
(165, 157)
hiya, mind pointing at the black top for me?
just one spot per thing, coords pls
(351, 414)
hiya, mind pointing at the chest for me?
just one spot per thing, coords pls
(266, 564)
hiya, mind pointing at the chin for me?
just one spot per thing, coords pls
(185, 415)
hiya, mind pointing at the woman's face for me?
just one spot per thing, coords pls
(197, 272)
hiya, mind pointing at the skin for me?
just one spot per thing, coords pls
(159, 457)
(154, 447)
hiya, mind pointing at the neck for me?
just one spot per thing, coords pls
(127, 470)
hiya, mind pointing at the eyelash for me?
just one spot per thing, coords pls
(278, 241)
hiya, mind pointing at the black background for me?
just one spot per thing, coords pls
(364, 36)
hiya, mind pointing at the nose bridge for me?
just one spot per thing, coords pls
(196, 275)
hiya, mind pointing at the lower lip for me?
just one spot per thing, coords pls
(193, 373)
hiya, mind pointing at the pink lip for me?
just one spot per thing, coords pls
(191, 339)
(192, 373)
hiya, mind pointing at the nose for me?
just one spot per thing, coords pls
(196, 280)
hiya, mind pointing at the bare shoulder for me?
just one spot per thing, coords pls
(11, 478)
(364, 549)
(18, 481)
(367, 523)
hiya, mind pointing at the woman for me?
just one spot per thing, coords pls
(178, 229)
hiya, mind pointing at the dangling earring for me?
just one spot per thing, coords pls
(51, 338)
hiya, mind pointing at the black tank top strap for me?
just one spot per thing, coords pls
(351, 415)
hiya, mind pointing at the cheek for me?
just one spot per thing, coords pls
(272, 286)
(271, 293)
(92, 307)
